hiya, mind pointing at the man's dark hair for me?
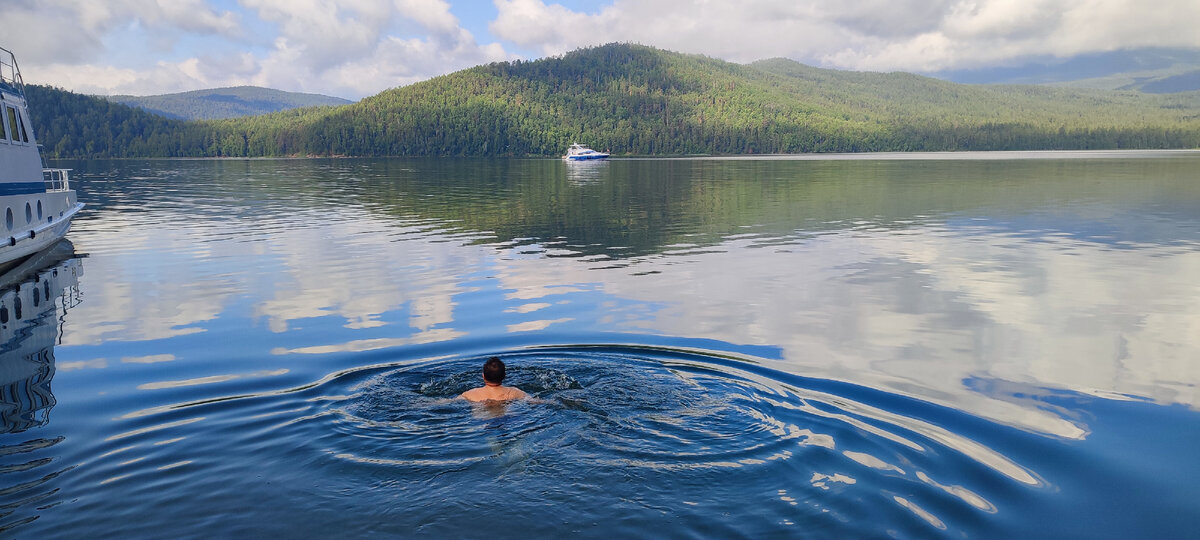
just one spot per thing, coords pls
(493, 370)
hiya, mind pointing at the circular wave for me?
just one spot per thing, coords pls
(614, 440)
(627, 431)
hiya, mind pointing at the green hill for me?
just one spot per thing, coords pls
(217, 103)
(635, 100)
(70, 125)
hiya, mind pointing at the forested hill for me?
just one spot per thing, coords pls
(218, 103)
(637, 100)
(73, 125)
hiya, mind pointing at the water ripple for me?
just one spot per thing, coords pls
(635, 430)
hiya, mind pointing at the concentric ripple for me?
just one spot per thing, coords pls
(657, 433)
(616, 440)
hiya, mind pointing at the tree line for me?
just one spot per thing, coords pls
(635, 100)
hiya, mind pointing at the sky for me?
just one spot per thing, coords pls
(357, 48)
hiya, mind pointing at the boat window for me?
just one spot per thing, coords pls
(8, 219)
(24, 134)
(28, 213)
(3, 136)
(12, 123)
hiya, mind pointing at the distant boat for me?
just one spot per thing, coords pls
(36, 203)
(579, 152)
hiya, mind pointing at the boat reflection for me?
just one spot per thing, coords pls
(29, 328)
(582, 173)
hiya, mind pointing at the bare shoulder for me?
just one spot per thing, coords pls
(474, 394)
(494, 394)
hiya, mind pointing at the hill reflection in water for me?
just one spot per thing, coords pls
(1047, 302)
(906, 272)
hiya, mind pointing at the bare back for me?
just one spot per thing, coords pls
(494, 393)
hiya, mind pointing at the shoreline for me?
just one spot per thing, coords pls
(963, 155)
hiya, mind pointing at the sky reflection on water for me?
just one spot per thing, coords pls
(983, 285)
(992, 288)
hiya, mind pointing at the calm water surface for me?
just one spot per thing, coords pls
(998, 345)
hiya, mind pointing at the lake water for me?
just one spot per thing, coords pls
(989, 345)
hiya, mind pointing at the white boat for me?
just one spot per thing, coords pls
(579, 152)
(36, 203)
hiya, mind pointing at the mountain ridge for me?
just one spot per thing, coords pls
(1150, 70)
(225, 102)
(638, 100)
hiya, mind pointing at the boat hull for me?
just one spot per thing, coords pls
(36, 203)
(32, 222)
(590, 157)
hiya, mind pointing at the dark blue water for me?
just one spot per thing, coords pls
(964, 345)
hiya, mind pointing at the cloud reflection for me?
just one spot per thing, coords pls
(920, 512)
(148, 359)
(975, 312)
(925, 310)
(95, 363)
(210, 380)
(362, 345)
(919, 311)
(533, 326)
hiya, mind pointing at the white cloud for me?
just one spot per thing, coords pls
(350, 48)
(323, 31)
(870, 34)
(68, 31)
(109, 80)
(355, 48)
(977, 34)
(432, 14)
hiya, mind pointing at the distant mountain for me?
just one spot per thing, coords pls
(636, 100)
(221, 103)
(70, 125)
(1155, 71)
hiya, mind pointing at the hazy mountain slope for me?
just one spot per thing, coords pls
(907, 97)
(220, 103)
(1151, 70)
(1184, 82)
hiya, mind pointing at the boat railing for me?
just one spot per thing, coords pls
(57, 179)
(10, 74)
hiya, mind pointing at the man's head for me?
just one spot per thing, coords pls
(493, 371)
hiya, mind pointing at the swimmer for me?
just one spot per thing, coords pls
(492, 389)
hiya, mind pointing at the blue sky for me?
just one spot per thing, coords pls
(356, 48)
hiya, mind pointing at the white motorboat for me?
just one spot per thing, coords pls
(36, 203)
(579, 152)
